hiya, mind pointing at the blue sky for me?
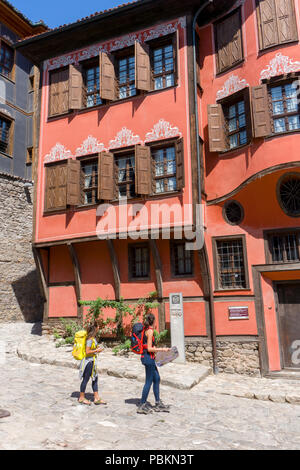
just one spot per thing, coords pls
(57, 12)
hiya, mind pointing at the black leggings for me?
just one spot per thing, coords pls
(86, 377)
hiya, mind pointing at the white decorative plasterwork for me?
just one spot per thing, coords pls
(58, 152)
(124, 138)
(162, 130)
(89, 146)
(232, 85)
(115, 44)
(280, 65)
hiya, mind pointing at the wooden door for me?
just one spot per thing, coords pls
(289, 323)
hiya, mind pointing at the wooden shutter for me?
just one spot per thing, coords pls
(59, 92)
(142, 67)
(249, 124)
(106, 183)
(286, 21)
(107, 76)
(56, 187)
(261, 111)
(142, 170)
(268, 33)
(179, 149)
(75, 87)
(229, 41)
(73, 183)
(216, 128)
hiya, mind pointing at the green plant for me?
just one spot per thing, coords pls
(69, 328)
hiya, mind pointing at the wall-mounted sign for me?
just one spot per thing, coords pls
(177, 325)
(238, 313)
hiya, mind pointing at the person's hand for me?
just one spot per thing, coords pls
(99, 350)
(166, 349)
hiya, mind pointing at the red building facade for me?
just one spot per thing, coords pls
(120, 154)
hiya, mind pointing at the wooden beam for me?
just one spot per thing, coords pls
(43, 284)
(76, 268)
(159, 284)
(116, 269)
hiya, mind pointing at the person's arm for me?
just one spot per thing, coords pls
(150, 347)
(89, 350)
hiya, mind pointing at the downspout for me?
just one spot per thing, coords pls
(201, 224)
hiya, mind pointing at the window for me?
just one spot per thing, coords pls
(29, 157)
(229, 122)
(126, 76)
(163, 65)
(62, 187)
(236, 124)
(125, 169)
(6, 59)
(91, 86)
(283, 247)
(285, 107)
(288, 194)
(233, 212)
(276, 22)
(182, 259)
(164, 169)
(139, 262)
(5, 125)
(89, 182)
(228, 39)
(231, 263)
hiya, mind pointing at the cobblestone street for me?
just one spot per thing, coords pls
(42, 400)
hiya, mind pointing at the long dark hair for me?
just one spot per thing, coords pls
(149, 320)
(92, 330)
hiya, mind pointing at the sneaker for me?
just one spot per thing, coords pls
(161, 407)
(144, 408)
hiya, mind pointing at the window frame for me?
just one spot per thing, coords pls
(10, 133)
(11, 75)
(154, 44)
(268, 234)
(276, 82)
(90, 159)
(89, 64)
(118, 154)
(173, 245)
(131, 259)
(217, 273)
(287, 175)
(162, 146)
(118, 56)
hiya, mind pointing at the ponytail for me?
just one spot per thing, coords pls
(149, 320)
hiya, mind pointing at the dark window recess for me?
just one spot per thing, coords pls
(163, 65)
(231, 264)
(6, 59)
(164, 161)
(4, 135)
(139, 262)
(182, 259)
(126, 77)
(89, 182)
(233, 213)
(284, 247)
(289, 194)
(91, 87)
(125, 168)
(285, 107)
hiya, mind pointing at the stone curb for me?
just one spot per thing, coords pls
(264, 396)
(180, 376)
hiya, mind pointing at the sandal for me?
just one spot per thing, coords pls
(84, 402)
(100, 402)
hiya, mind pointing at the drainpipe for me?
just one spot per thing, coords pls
(201, 224)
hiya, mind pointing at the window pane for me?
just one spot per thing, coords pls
(169, 80)
(276, 93)
(279, 125)
(122, 92)
(232, 125)
(172, 184)
(278, 107)
(243, 138)
(233, 141)
(294, 122)
(159, 186)
(158, 85)
(232, 111)
(241, 107)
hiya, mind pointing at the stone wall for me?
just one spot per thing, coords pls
(233, 357)
(19, 290)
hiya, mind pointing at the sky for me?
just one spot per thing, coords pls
(58, 12)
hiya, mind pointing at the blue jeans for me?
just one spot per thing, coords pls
(152, 377)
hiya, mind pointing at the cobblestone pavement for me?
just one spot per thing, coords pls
(42, 400)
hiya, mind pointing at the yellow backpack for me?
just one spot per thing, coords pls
(79, 345)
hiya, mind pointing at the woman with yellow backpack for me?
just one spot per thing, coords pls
(88, 365)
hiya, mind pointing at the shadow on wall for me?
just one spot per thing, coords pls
(28, 295)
